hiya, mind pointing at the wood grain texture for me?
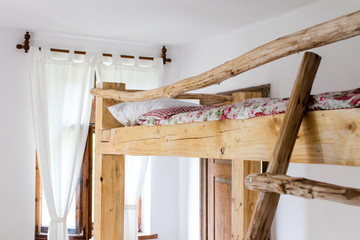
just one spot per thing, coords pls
(302, 187)
(219, 199)
(325, 137)
(319, 35)
(203, 96)
(243, 200)
(241, 96)
(115, 94)
(112, 194)
(266, 204)
(109, 177)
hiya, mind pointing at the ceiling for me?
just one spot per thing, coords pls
(171, 22)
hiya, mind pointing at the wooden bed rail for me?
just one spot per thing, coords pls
(319, 35)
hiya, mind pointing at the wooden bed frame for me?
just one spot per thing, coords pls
(325, 137)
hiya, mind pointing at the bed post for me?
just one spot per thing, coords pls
(243, 200)
(109, 176)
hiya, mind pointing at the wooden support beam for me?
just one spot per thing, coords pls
(243, 200)
(266, 204)
(319, 35)
(325, 137)
(109, 177)
(302, 187)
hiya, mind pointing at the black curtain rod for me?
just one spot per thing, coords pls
(26, 46)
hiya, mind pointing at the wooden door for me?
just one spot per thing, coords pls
(219, 199)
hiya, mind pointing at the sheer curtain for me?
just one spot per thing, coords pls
(61, 105)
(141, 75)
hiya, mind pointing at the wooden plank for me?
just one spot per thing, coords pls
(219, 199)
(203, 96)
(203, 198)
(302, 187)
(266, 203)
(325, 137)
(241, 96)
(319, 35)
(109, 200)
(243, 200)
(106, 118)
(38, 208)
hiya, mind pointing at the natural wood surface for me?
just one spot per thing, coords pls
(319, 35)
(266, 203)
(115, 94)
(112, 197)
(203, 96)
(243, 200)
(219, 199)
(325, 137)
(302, 187)
(147, 236)
(38, 205)
(109, 177)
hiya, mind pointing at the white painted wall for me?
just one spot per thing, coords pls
(296, 219)
(17, 167)
(17, 163)
(164, 197)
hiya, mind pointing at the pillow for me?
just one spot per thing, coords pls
(128, 113)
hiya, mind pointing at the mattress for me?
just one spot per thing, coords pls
(250, 108)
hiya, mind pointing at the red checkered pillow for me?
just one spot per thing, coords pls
(166, 113)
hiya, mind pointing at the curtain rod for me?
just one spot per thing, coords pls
(26, 46)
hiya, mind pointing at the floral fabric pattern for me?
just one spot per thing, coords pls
(249, 108)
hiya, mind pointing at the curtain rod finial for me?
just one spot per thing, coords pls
(26, 43)
(163, 55)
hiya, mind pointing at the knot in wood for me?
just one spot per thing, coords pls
(222, 150)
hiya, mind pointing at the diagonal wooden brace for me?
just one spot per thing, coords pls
(266, 204)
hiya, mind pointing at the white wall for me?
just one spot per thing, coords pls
(296, 218)
(17, 163)
(17, 166)
(164, 197)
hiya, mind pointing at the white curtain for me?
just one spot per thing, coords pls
(141, 75)
(135, 73)
(61, 105)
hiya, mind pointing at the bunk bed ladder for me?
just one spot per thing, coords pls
(266, 204)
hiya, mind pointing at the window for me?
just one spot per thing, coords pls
(82, 209)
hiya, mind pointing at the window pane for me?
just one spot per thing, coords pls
(45, 217)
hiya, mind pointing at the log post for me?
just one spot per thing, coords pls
(243, 200)
(302, 187)
(109, 176)
(266, 204)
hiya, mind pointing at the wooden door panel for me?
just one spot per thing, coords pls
(222, 204)
(219, 199)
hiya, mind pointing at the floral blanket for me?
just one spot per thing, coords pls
(249, 108)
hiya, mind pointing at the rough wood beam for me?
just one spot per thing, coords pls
(203, 96)
(266, 204)
(109, 176)
(243, 200)
(325, 137)
(319, 35)
(114, 94)
(302, 187)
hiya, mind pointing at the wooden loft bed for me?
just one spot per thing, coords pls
(325, 137)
